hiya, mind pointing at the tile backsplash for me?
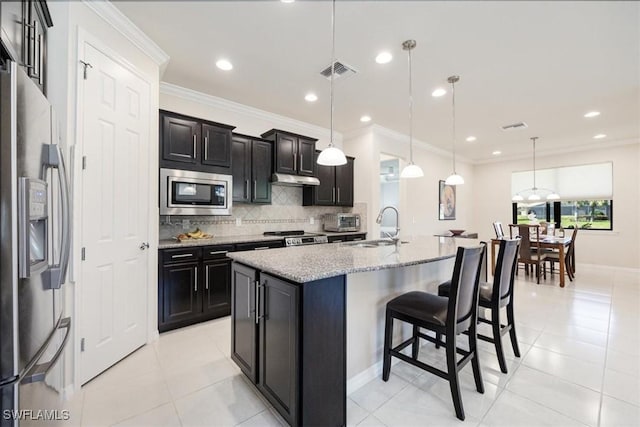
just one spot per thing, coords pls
(284, 213)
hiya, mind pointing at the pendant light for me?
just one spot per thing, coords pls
(534, 193)
(454, 178)
(411, 170)
(332, 156)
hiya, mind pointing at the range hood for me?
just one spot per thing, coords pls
(293, 180)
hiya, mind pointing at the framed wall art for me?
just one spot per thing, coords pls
(447, 208)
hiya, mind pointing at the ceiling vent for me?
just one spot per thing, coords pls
(515, 126)
(341, 70)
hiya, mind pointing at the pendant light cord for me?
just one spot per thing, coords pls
(453, 121)
(534, 162)
(333, 65)
(410, 112)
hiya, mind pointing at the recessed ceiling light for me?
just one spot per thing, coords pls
(225, 65)
(471, 138)
(438, 92)
(497, 153)
(311, 97)
(287, 1)
(365, 119)
(599, 136)
(384, 58)
(591, 114)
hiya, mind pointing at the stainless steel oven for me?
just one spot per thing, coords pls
(194, 193)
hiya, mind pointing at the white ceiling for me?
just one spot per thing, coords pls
(544, 63)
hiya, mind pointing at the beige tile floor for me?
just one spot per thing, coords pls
(580, 365)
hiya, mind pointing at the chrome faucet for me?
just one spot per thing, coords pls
(396, 238)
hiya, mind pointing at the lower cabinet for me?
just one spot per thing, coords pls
(194, 285)
(289, 339)
(336, 238)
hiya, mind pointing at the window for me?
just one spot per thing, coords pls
(586, 214)
(586, 192)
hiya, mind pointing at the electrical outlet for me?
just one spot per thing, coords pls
(312, 220)
(238, 222)
(186, 224)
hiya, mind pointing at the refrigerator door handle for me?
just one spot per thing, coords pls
(39, 371)
(57, 272)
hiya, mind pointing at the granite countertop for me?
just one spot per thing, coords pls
(227, 240)
(216, 240)
(307, 263)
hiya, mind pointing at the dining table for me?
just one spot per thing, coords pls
(559, 243)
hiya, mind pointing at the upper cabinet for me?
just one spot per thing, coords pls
(293, 154)
(336, 185)
(24, 35)
(194, 144)
(251, 160)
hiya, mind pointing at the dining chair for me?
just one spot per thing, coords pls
(445, 316)
(495, 296)
(529, 254)
(497, 227)
(569, 257)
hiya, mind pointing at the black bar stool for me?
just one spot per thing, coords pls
(496, 296)
(449, 316)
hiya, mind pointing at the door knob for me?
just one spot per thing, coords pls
(144, 246)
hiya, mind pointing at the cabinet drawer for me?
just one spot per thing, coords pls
(181, 255)
(269, 244)
(218, 251)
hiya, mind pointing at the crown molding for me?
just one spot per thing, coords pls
(400, 137)
(113, 16)
(592, 146)
(277, 120)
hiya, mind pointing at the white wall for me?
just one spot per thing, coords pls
(63, 72)
(620, 247)
(419, 197)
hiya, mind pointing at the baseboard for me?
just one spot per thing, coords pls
(608, 267)
(153, 336)
(371, 373)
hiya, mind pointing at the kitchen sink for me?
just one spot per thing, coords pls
(373, 243)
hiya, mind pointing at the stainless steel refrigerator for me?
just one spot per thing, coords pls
(34, 254)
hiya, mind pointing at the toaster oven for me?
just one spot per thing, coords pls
(342, 222)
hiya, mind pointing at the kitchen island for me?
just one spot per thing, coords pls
(308, 322)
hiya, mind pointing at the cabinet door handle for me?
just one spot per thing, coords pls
(206, 147)
(301, 164)
(195, 285)
(295, 162)
(40, 59)
(255, 188)
(206, 278)
(258, 315)
(181, 256)
(217, 252)
(260, 248)
(333, 195)
(194, 145)
(249, 298)
(338, 194)
(246, 189)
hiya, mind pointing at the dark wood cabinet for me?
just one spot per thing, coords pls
(336, 185)
(194, 285)
(295, 332)
(217, 287)
(278, 344)
(244, 327)
(293, 154)
(182, 300)
(194, 144)
(24, 35)
(251, 169)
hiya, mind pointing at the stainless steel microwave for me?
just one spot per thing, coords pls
(194, 193)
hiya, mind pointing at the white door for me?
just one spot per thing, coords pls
(114, 118)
